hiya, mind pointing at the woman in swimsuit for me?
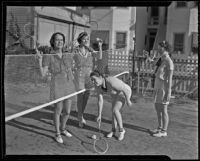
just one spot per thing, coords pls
(120, 93)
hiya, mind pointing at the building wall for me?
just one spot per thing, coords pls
(141, 27)
(121, 23)
(179, 20)
(43, 22)
(101, 19)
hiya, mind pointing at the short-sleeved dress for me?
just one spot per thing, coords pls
(161, 79)
(82, 69)
(61, 83)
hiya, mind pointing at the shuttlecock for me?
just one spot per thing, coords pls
(94, 137)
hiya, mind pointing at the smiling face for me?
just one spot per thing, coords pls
(85, 41)
(58, 41)
(98, 81)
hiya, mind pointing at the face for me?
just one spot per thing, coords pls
(85, 41)
(58, 42)
(160, 49)
(97, 80)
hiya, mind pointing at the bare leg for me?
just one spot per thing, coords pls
(66, 113)
(119, 103)
(79, 105)
(86, 95)
(57, 113)
(114, 121)
(165, 117)
(159, 114)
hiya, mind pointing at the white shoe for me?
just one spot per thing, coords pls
(82, 122)
(110, 134)
(66, 133)
(160, 134)
(121, 135)
(59, 138)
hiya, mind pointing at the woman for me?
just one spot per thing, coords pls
(163, 83)
(120, 93)
(59, 65)
(84, 57)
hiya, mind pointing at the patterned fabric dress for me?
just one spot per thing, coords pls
(82, 69)
(61, 83)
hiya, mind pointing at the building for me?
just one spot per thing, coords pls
(177, 23)
(112, 25)
(182, 28)
(31, 24)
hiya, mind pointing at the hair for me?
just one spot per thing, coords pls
(80, 36)
(52, 39)
(96, 73)
(164, 44)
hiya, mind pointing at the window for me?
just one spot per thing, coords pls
(120, 40)
(179, 42)
(194, 45)
(181, 4)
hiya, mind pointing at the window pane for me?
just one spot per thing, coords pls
(178, 42)
(181, 4)
(120, 40)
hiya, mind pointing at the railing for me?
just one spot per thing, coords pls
(185, 77)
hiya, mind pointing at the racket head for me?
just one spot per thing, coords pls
(100, 145)
(28, 31)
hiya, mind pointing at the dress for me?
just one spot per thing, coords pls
(82, 69)
(61, 83)
(161, 80)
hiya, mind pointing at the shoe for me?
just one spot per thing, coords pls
(121, 135)
(66, 133)
(110, 134)
(81, 123)
(160, 134)
(156, 130)
(59, 138)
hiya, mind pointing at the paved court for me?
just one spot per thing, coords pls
(33, 133)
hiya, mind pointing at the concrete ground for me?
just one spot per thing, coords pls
(33, 134)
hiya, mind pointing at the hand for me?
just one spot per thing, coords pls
(146, 53)
(39, 54)
(167, 97)
(98, 119)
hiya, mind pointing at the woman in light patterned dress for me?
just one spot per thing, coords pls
(84, 57)
(59, 65)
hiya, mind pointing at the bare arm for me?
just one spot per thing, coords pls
(169, 86)
(43, 70)
(100, 51)
(100, 104)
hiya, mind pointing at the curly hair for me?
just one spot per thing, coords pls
(164, 44)
(80, 36)
(52, 39)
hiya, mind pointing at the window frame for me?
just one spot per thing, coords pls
(183, 44)
(125, 41)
